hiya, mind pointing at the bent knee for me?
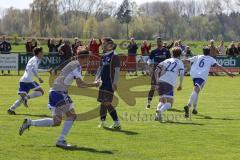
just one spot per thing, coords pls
(57, 123)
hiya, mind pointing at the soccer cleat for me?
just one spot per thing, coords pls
(159, 116)
(186, 109)
(103, 124)
(11, 112)
(195, 112)
(115, 126)
(148, 106)
(62, 144)
(25, 125)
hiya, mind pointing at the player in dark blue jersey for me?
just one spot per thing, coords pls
(108, 74)
(157, 56)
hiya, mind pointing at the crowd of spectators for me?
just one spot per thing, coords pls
(66, 50)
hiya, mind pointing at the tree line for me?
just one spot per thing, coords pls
(185, 19)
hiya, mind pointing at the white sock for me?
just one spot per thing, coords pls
(16, 104)
(195, 103)
(47, 122)
(192, 99)
(159, 106)
(35, 94)
(65, 130)
(165, 107)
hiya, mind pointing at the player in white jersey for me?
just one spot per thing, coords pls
(60, 102)
(168, 71)
(200, 68)
(27, 83)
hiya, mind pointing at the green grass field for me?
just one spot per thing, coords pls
(212, 135)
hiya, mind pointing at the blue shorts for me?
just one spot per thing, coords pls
(57, 98)
(199, 82)
(165, 90)
(25, 87)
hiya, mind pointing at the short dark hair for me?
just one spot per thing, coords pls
(206, 51)
(177, 52)
(159, 39)
(109, 40)
(37, 50)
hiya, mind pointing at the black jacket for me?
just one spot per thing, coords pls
(5, 47)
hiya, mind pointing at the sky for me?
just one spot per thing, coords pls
(23, 4)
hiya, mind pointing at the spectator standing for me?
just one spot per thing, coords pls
(238, 47)
(181, 45)
(53, 45)
(30, 45)
(94, 46)
(232, 50)
(213, 50)
(75, 47)
(221, 48)
(132, 54)
(5, 48)
(145, 50)
(188, 52)
(65, 51)
(94, 58)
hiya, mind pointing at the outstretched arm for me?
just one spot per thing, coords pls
(224, 70)
(82, 84)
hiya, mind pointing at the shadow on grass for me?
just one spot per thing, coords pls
(76, 148)
(183, 123)
(200, 116)
(86, 149)
(35, 115)
(175, 110)
(121, 131)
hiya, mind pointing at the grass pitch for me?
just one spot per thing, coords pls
(212, 135)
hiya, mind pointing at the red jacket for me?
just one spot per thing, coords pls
(145, 49)
(94, 47)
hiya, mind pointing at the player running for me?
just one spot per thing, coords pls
(168, 71)
(27, 83)
(157, 56)
(200, 68)
(60, 102)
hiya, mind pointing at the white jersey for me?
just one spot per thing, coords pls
(172, 66)
(201, 66)
(69, 73)
(31, 70)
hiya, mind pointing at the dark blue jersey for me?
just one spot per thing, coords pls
(108, 64)
(159, 55)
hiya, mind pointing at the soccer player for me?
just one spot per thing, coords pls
(108, 74)
(157, 56)
(27, 83)
(168, 71)
(200, 68)
(60, 102)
